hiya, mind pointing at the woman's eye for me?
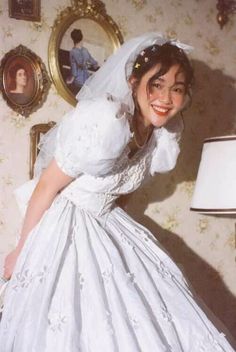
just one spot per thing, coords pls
(179, 90)
(156, 85)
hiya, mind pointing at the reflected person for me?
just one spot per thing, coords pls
(81, 61)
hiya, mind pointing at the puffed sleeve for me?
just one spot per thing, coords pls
(92, 137)
(88, 140)
(167, 149)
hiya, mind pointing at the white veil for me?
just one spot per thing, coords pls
(112, 77)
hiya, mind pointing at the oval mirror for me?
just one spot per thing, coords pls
(70, 62)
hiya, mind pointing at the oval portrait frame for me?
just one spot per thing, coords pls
(93, 11)
(32, 93)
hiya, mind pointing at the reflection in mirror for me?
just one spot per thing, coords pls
(75, 57)
(79, 60)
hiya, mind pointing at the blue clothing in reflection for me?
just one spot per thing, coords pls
(81, 60)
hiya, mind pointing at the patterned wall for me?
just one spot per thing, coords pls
(203, 245)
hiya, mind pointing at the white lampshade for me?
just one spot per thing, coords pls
(215, 189)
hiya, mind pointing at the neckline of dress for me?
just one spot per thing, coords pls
(145, 149)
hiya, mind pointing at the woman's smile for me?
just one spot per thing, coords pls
(160, 110)
(161, 99)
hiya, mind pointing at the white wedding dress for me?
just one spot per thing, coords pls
(90, 278)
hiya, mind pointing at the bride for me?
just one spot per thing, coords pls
(85, 276)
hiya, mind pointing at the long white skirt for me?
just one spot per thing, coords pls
(87, 284)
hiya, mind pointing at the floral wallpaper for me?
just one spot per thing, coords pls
(203, 246)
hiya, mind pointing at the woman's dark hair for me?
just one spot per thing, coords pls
(76, 36)
(166, 55)
(12, 74)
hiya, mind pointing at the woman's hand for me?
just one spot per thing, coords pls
(10, 262)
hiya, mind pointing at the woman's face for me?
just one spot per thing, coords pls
(163, 98)
(21, 77)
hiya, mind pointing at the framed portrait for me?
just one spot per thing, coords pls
(28, 10)
(24, 81)
(83, 36)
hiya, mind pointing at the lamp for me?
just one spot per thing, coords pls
(225, 8)
(215, 189)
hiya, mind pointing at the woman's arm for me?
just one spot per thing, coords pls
(73, 65)
(50, 183)
(90, 59)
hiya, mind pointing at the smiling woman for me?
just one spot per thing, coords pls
(166, 73)
(166, 95)
(161, 81)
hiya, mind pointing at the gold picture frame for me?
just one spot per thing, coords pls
(24, 80)
(28, 10)
(101, 36)
(36, 133)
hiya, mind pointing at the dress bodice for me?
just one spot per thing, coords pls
(98, 193)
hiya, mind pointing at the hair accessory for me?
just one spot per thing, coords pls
(137, 65)
(142, 53)
(146, 59)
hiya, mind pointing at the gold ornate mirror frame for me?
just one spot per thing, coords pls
(93, 10)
